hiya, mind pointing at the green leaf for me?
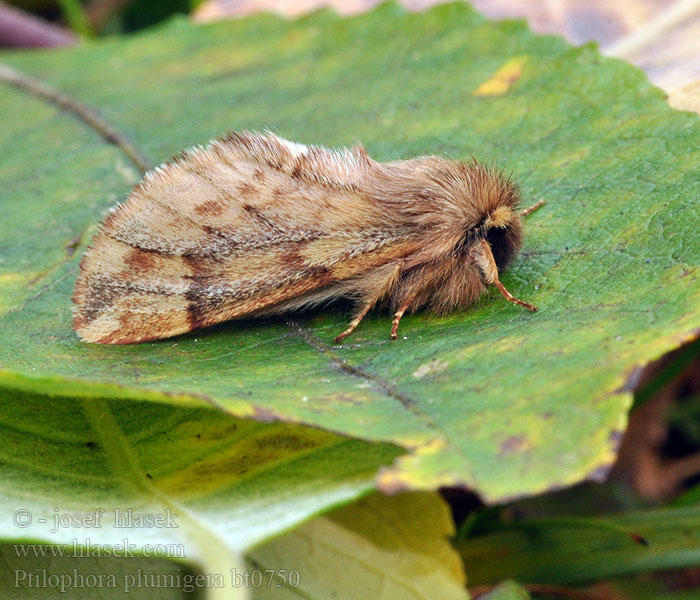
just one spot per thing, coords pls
(493, 398)
(550, 551)
(74, 13)
(508, 590)
(653, 588)
(52, 576)
(688, 498)
(89, 473)
(379, 547)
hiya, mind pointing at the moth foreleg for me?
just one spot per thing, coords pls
(372, 289)
(483, 257)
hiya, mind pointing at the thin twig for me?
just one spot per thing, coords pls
(22, 30)
(678, 13)
(83, 112)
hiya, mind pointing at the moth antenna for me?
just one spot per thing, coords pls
(533, 208)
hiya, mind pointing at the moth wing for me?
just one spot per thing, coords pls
(235, 228)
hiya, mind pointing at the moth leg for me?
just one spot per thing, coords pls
(533, 208)
(508, 296)
(484, 259)
(354, 323)
(375, 288)
(397, 317)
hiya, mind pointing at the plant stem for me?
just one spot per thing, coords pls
(22, 30)
(75, 15)
(678, 13)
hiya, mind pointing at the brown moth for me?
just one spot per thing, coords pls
(256, 225)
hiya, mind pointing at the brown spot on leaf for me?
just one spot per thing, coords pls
(264, 415)
(600, 473)
(615, 437)
(220, 433)
(72, 246)
(514, 443)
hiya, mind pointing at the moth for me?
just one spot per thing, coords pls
(254, 224)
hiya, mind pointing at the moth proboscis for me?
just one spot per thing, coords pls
(256, 225)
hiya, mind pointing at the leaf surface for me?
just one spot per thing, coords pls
(557, 553)
(195, 484)
(493, 398)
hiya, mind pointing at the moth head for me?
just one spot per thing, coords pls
(491, 212)
(457, 203)
(502, 229)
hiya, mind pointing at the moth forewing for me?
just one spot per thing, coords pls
(254, 224)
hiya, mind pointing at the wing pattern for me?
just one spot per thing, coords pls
(237, 227)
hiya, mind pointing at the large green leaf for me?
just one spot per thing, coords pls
(493, 398)
(185, 483)
(564, 552)
(84, 474)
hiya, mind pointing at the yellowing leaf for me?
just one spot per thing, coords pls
(505, 77)
(392, 548)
